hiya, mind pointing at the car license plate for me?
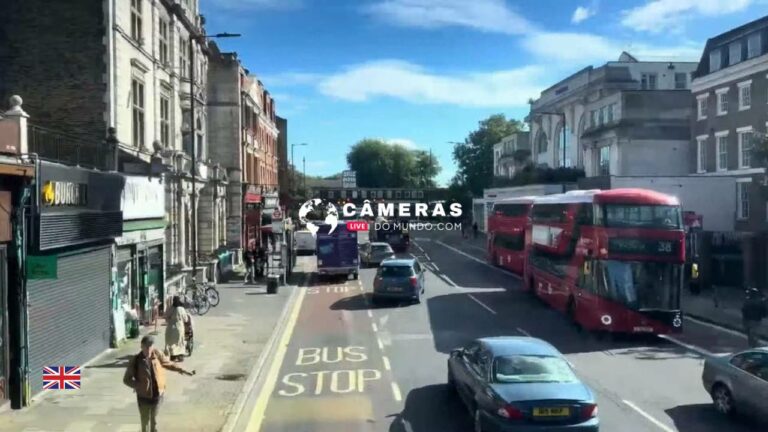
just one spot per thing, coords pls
(552, 412)
(643, 329)
(395, 289)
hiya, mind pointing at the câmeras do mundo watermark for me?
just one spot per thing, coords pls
(401, 210)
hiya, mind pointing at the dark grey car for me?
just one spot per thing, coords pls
(738, 382)
(399, 279)
(374, 253)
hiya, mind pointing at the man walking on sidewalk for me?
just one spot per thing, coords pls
(146, 376)
(752, 313)
(248, 257)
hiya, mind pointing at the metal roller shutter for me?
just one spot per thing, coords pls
(69, 317)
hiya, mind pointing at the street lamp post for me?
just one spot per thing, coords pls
(561, 114)
(293, 164)
(193, 132)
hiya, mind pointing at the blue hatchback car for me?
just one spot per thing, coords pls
(521, 384)
(399, 279)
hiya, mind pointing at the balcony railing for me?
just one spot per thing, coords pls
(68, 149)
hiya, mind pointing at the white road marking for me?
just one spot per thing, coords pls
(427, 257)
(450, 281)
(650, 418)
(523, 332)
(687, 346)
(436, 267)
(717, 327)
(375, 327)
(460, 252)
(477, 247)
(370, 314)
(482, 304)
(406, 425)
(396, 391)
(387, 366)
(380, 343)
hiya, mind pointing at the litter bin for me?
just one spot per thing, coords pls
(273, 282)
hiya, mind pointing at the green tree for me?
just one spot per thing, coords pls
(380, 164)
(474, 157)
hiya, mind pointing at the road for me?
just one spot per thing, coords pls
(344, 364)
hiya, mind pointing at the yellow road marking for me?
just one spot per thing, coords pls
(386, 363)
(257, 415)
(396, 391)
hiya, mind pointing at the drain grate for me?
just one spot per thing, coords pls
(231, 377)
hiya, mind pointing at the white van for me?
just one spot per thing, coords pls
(304, 243)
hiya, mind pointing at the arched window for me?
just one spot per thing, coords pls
(541, 143)
(579, 144)
(564, 145)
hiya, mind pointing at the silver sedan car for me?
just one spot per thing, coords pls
(739, 382)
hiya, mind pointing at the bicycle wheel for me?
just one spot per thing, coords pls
(213, 296)
(189, 304)
(202, 304)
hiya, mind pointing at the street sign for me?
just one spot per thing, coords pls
(349, 179)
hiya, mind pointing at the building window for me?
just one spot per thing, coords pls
(714, 60)
(648, 81)
(389, 194)
(604, 161)
(734, 53)
(354, 194)
(745, 95)
(137, 103)
(742, 196)
(136, 25)
(593, 118)
(163, 42)
(419, 194)
(611, 112)
(602, 115)
(183, 58)
(722, 102)
(754, 45)
(722, 152)
(380, 194)
(681, 80)
(702, 106)
(407, 194)
(745, 148)
(701, 154)
(165, 120)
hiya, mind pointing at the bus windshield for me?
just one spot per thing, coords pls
(641, 285)
(642, 216)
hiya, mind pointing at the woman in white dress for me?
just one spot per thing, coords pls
(176, 318)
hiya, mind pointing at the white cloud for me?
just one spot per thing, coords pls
(582, 13)
(242, 5)
(405, 142)
(583, 49)
(412, 83)
(658, 15)
(289, 79)
(486, 15)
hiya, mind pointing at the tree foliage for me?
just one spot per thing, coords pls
(380, 164)
(475, 156)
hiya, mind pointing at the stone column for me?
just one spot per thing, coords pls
(13, 128)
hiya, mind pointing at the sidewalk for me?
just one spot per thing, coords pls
(228, 342)
(701, 307)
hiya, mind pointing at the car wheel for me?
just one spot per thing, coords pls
(478, 421)
(354, 276)
(722, 399)
(417, 300)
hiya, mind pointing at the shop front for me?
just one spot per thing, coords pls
(76, 218)
(138, 294)
(251, 217)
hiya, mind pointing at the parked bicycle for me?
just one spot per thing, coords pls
(213, 294)
(196, 300)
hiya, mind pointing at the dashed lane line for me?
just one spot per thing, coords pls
(396, 392)
(478, 260)
(380, 343)
(370, 314)
(482, 304)
(387, 366)
(375, 327)
(649, 417)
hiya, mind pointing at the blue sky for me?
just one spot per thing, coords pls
(424, 72)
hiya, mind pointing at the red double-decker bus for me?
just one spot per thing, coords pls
(506, 233)
(612, 260)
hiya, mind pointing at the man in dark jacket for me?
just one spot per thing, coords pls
(752, 313)
(145, 374)
(248, 258)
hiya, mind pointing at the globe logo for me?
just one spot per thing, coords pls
(316, 204)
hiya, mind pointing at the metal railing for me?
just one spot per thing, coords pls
(68, 149)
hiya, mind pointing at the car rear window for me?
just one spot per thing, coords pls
(382, 248)
(531, 369)
(396, 271)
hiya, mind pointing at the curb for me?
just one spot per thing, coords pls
(762, 335)
(234, 415)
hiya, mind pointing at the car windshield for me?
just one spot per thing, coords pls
(642, 216)
(532, 369)
(641, 285)
(381, 248)
(396, 271)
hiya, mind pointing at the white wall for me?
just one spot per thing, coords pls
(695, 194)
(653, 157)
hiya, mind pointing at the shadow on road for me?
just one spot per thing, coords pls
(432, 408)
(364, 301)
(457, 319)
(117, 363)
(702, 417)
